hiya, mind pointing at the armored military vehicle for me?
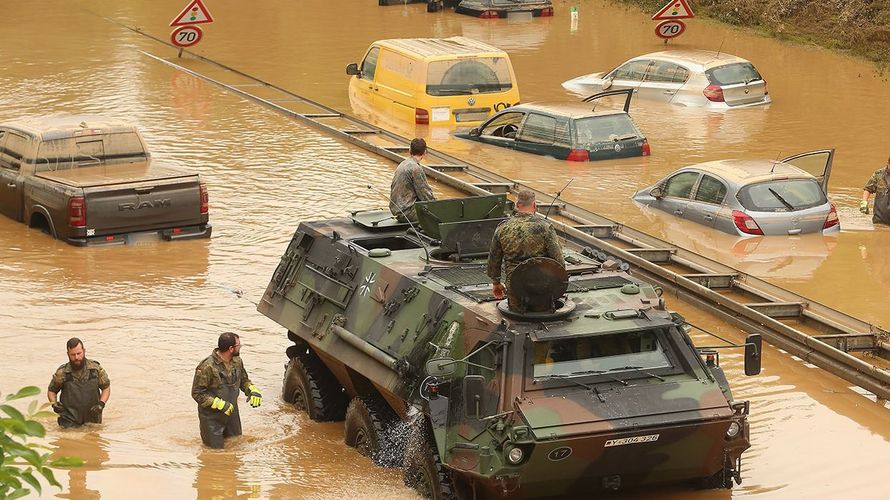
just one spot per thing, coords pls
(588, 382)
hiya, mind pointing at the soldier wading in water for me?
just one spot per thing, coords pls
(215, 388)
(521, 237)
(879, 185)
(84, 386)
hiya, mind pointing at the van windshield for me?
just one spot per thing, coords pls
(468, 76)
(599, 353)
(70, 152)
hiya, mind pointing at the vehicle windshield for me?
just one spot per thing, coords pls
(782, 195)
(604, 128)
(71, 152)
(630, 351)
(468, 76)
(732, 74)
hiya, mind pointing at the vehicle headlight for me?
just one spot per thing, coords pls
(733, 431)
(515, 455)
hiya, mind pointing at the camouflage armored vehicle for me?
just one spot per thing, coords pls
(596, 385)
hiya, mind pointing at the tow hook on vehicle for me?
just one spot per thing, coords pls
(509, 483)
(737, 471)
(612, 482)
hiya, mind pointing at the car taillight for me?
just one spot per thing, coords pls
(421, 116)
(647, 150)
(745, 223)
(578, 155)
(547, 12)
(489, 14)
(205, 198)
(77, 211)
(832, 219)
(713, 93)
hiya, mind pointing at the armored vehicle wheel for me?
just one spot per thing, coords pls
(423, 468)
(311, 387)
(374, 429)
(434, 6)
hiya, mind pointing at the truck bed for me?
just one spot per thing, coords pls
(107, 175)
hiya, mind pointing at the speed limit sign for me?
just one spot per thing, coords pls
(670, 28)
(186, 36)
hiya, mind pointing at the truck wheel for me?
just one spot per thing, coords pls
(434, 6)
(423, 468)
(310, 387)
(374, 429)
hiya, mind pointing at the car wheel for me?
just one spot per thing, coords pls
(373, 428)
(311, 388)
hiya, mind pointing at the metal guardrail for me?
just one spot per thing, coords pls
(781, 316)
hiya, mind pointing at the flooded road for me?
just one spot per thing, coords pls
(150, 313)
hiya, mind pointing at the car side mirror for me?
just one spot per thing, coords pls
(352, 69)
(440, 367)
(475, 132)
(607, 83)
(753, 344)
(656, 193)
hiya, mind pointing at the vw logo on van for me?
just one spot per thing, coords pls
(560, 453)
(471, 101)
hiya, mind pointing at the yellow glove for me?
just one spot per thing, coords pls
(255, 397)
(223, 406)
(863, 206)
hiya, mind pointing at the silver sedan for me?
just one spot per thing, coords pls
(751, 197)
(700, 78)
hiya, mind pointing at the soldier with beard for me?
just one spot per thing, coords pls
(84, 386)
(215, 388)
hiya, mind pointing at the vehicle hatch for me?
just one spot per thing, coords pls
(786, 206)
(816, 163)
(741, 83)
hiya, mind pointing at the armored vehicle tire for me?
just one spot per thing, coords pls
(310, 387)
(374, 429)
(423, 470)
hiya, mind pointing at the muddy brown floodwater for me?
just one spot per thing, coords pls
(150, 313)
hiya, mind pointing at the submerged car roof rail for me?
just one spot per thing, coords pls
(627, 92)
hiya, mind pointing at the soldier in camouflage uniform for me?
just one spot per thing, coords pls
(84, 386)
(215, 388)
(879, 185)
(523, 236)
(409, 184)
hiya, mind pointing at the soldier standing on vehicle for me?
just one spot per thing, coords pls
(521, 237)
(409, 184)
(84, 386)
(215, 388)
(879, 185)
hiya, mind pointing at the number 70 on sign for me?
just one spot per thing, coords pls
(670, 29)
(186, 36)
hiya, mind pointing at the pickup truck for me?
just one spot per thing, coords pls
(89, 180)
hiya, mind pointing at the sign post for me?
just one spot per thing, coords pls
(186, 33)
(671, 26)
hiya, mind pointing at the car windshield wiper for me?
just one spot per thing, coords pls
(783, 200)
(569, 376)
(453, 91)
(626, 137)
(637, 369)
(563, 377)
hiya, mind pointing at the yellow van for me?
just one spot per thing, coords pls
(436, 81)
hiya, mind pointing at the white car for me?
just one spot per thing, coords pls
(700, 78)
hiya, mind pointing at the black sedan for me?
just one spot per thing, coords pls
(566, 131)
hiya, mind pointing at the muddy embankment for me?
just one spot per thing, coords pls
(859, 27)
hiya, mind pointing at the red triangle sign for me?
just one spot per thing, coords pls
(675, 9)
(193, 13)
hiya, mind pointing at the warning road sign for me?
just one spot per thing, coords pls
(193, 13)
(675, 9)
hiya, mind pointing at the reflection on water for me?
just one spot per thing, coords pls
(150, 314)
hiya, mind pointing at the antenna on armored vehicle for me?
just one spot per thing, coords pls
(555, 198)
(426, 250)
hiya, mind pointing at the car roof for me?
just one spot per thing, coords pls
(699, 60)
(440, 47)
(744, 172)
(572, 110)
(65, 125)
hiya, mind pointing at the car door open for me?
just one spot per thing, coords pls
(816, 163)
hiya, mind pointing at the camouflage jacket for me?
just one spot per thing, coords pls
(878, 182)
(55, 385)
(518, 238)
(409, 185)
(206, 383)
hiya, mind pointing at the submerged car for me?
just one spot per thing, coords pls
(751, 197)
(564, 131)
(701, 78)
(490, 9)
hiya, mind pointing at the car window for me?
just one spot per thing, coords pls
(65, 152)
(665, 72)
(468, 76)
(680, 185)
(604, 128)
(13, 151)
(782, 195)
(503, 125)
(633, 70)
(539, 128)
(369, 65)
(710, 190)
(731, 74)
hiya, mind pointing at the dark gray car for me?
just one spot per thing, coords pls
(751, 197)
